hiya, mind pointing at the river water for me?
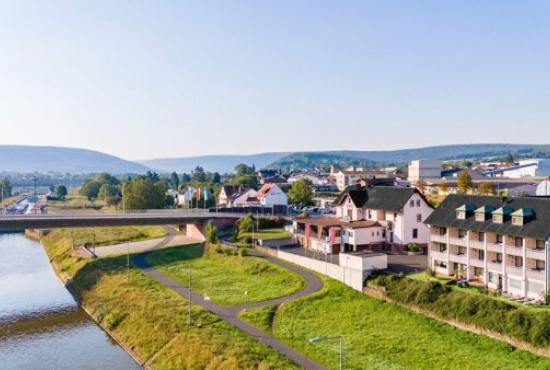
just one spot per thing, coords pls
(41, 326)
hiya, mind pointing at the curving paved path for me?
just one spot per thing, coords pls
(229, 314)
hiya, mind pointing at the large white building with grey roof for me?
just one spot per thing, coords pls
(498, 242)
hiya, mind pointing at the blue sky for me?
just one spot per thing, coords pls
(144, 79)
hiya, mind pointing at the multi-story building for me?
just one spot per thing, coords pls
(424, 168)
(381, 218)
(352, 175)
(498, 242)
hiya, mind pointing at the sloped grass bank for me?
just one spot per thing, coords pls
(150, 320)
(382, 335)
(226, 277)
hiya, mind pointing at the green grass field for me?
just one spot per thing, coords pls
(113, 235)
(381, 335)
(225, 278)
(74, 202)
(152, 319)
(270, 234)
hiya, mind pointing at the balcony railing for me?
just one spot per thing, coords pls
(458, 241)
(514, 251)
(514, 270)
(536, 274)
(493, 247)
(539, 254)
(476, 244)
(476, 262)
(441, 256)
(438, 238)
(494, 266)
(459, 258)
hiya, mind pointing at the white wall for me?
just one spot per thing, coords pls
(365, 236)
(275, 197)
(409, 222)
(240, 201)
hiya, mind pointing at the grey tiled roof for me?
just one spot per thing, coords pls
(388, 198)
(536, 227)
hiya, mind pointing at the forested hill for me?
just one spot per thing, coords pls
(28, 159)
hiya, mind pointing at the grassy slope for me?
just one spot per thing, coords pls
(270, 234)
(382, 335)
(225, 278)
(151, 319)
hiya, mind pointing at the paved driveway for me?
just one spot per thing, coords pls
(407, 264)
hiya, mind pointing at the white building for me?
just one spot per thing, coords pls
(525, 168)
(185, 195)
(424, 168)
(315, 180)
(493, 241)
(381, 218)
(352, 175)
(234, 195)
(271, 195)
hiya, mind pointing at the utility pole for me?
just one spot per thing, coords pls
(128, 261)
(189, 322)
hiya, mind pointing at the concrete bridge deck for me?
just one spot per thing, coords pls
(68, 220)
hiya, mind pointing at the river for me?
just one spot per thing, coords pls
(41, 325)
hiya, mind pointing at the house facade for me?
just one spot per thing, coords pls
(380, 218)
(185, 195)
(271, 195)
(352, 175)
(234, 195)
(498, 242)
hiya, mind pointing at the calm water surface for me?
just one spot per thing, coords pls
(41, 326)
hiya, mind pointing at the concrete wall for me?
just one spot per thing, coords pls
(195, 231)
(277, 242)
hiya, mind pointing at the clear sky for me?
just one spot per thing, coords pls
(148, 79)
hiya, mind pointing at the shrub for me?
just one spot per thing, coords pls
(113, 319)
(413, 247)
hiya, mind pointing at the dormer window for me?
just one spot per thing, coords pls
(464, 211)
(461, 215)
(483, 213)
(522, 216)
(502, 214)
(480, 217)
(517, 220)
(497, 219)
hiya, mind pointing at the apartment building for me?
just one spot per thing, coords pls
(381, 218)
(495, 241)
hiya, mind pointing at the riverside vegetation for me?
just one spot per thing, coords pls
(150, 320)
(382, 335)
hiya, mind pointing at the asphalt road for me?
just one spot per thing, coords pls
(229, 314)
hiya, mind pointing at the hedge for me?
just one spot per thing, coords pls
(530, 326)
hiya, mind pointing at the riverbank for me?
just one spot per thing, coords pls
(150, 321)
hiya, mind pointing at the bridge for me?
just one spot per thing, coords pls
(132, 218)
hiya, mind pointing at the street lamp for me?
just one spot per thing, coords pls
(189, 293)
(339, 337)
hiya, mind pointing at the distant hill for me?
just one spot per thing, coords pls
(297, 161)
(27, 159)
(212, 163)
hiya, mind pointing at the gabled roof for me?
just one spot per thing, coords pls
(467, 208)
(389, 198)
(231, 190)
(485, 209)
(524, 212)
(538, 228)
(239, 193)
(264, 190)
(504, 210)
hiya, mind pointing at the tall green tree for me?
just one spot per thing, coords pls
(486, 188)
(175, 180)
(90, 189)
(141, 193)
(106, 191)
(5, 188)
(464, 183)
(211, 233)
(61, 191)
(216, 178)
(301, 192)
(242, 169)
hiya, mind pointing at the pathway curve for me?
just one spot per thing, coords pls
(230, 314)
(171, 240)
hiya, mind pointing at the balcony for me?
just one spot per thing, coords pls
(514, 270)
(441, 256)
(476, 262)
(535, 274)
(458, 241)
(539, 254)
(514, 251)
(476, 244)
(493, 247)
(494, 266)
(438, 238)
(458, 258)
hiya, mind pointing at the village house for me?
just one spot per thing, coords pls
(498, 242)
(271, 195)
(381, 218)
(234, 196)
(184, 196)
(352, 175)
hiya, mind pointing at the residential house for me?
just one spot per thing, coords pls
(234, 195)
(315, 180)
(185, 195)
(352, 175)
(380, 218)
(498, 242)
(271, 195)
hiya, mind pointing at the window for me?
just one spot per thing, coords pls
(350, 214)
(493, 277)
(373, 233)
(442, 231)
(480, 237)
(418, 217)
(481, 255)
(480, 216)
(461, 250)
(540, 244)
(461, 215)
(462, 234)
(383, 233)
(516, 284)
(516, 220)
(540, 265)
(411, 203)
(442, 247)
(369, 214)
(499, 258)
(497, 219)
(350, 233)
(518, 242)
(395, 216)
(518, 261)
(418, 202)
(499, 238)
(415, 233)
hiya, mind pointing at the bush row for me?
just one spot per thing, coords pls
(530, 326)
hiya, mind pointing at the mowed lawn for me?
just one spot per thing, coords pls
(225, 278)
(383, 336)
(270, 234)
(111, 235)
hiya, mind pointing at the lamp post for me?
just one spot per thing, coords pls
(339, 337)
(189, 320)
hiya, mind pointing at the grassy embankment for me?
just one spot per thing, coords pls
(382, 335)
(269, 234)
(151, 321)
(111, 235)
(75, 202)
(225, 278)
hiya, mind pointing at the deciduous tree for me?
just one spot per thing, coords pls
(464, 183)
(301, 192)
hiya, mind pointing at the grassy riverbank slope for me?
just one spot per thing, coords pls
(225, 278)
(382, 335)
(150, 320)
